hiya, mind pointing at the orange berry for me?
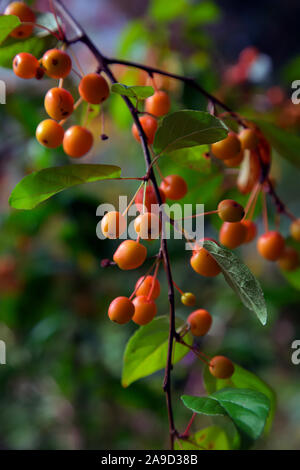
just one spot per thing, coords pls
(221, 367)
(149, 124)
(147, 286)
(228, 148)
(271, 245)
(230, 211)
(121, 310)
(93, 88)
(174, 187)
(50, 134)
(113, 225)
(59, 103)
(25, 15)
(236, 161)
(251, 230)
(145, 310)
(159, 104)
(289, 260)
(233, 234)
(130, 255)
(249, 173)
(25, 65)
(200, 322)
(249, 139)
(150, 197)
(78, 141)
(188, 299)
(203, 263)
(295, 230)
(57, 64)
(147, 226)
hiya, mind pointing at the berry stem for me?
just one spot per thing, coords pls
(265, 211)
(133, 199)
(187, 431)
(40, 26)
(178, 288)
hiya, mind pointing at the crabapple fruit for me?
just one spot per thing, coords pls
(174, 187)
(25, 15)
(147, 286)
(228, 148)
(271, 245)
(25, 65)
(57, 63)
(78, 141)
(121, 310)
(130, 255)
(145, 310)
(230, 211)
(159, 104)
(149, 125)
(203, 263)
(221, 367)
(113, 225)
(50, 134)
(232, 234)
(200, 322)
(93, 88)
(188, 299)
(59, 103)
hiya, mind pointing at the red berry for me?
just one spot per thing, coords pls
(50, 134)
(94, 89)
(174, 187)
(147, 286)
(251, 230)
(271, 245)
(230, 211)
(233, 235)
(149, 125)
(150, 198)
(145, 310)
(289, 260)
(121, 310)
(221, 367)
(200, 322)
(59, 103)
(130, 255)
(78, 141)
(25, 65)
(25, 15)
(159, 104)
(203, 263)
(57, 63)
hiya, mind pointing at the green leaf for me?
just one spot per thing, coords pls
(242, 378)
(184, 129)
(240, 279)
(135, 92)
(146, 351)
(193, 158)
(167, 10)
(284, 142)
(248, 409)
(210, 438)
(40, 186)
(33, 45)
(7, 24)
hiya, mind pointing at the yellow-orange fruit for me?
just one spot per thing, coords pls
(271, 245)
(230, 211)
(147, 226)
(149, 125)
(174, 187)
(130, 255)
(25, 15)
(78, 141)
(113, 225)
(200, 322)
(93, 88)
(50, 134)
(57, 63)
(145, 310)
(233, 235)
(236, 161)
(159, 104)
(228, 148)
(289, 260)
(221, 367)
(148, 286)
(150, 197)
(188, 299)
(203, 263)
(59, 103)
(249, 173)
(249, 139)
(251, 230)
(121, 310)
(25, 65)
(295, 230)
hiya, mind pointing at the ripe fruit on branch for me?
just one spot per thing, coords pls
(203, 263)
(121, 310)
(130, 255)
(149, 125)
(236, 161)
(59, 103)
(221, 367)
(145, 310)
(233, 235)
(147, 286)
(249, 172)
(249, 139)
(289, 260)
(57, 63)
(159, 104)
(230, 211)
(25, 15)
(271, 245)
(200, 322)
(78, 141)
(150, 198)
(25, 65)
(174, 187)
(113, 225)
(188, 299)
(50, 134)
(228, 148)
(251, 230)
(147, 226)
(295, 230)
(93, 88)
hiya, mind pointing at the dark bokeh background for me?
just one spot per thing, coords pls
(61, 385)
